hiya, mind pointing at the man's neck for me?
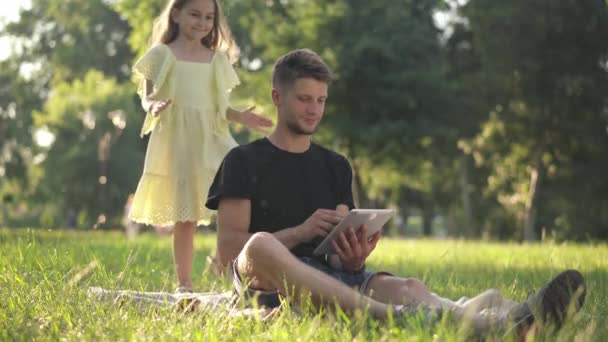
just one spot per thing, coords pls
(290, 142)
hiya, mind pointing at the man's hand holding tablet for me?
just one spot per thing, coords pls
(373, 219)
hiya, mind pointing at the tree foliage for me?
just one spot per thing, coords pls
(495, 123)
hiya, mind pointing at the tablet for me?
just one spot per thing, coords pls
(374, 219)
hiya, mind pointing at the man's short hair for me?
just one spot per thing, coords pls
(296, 64)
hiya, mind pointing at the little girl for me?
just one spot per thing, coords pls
(184, 83)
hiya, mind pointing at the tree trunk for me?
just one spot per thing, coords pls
(4, 221)
(359, 195)
(469, 230)
(536, 176)
(404, 212)
(427, 219)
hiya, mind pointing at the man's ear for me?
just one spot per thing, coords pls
(276, 96)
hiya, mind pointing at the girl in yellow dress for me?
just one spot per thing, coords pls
(184, 83)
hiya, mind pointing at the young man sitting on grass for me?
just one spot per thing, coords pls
(277, 198)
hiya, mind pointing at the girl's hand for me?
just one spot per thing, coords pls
(158, 106)
(255, 121)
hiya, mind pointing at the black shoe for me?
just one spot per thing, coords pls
(551, 303)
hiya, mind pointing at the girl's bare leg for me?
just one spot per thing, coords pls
(183, 253)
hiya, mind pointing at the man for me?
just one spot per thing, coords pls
(277, 198)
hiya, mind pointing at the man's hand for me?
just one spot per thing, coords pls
(354, 248)
(342, 209)
(318, 224)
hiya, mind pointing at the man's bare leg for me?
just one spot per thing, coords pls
(395, 290)
(269, 265)
(183, 253)
(490, 299)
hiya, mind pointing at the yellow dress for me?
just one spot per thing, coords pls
(188, 140)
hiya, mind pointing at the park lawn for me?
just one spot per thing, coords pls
(45, 274)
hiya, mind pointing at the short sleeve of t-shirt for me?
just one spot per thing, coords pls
(343, 179)
(231, 180)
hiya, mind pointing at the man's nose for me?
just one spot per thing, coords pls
(315, 108)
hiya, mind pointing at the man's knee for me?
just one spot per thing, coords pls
(412, 290)
(492, 295)
(253, 261)
(411, 284)
(257, 249)
(259, 245)
(396, 289)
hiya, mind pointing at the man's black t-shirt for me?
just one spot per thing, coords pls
(285, 188)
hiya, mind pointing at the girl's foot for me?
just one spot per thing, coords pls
(183, 289)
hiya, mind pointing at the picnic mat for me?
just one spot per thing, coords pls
(186, 302)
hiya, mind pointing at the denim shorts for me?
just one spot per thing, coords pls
(358, 280)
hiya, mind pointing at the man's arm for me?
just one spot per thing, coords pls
(234, 218)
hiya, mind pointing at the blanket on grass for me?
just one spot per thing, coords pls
(185, 302)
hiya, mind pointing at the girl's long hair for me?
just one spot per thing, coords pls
(165, 30)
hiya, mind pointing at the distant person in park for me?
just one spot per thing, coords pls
(277, 197)
(184, 84)
(71, 219)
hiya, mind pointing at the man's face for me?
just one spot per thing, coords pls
(302, 106)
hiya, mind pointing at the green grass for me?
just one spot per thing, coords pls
(44, 276)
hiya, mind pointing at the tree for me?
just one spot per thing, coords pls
(140, 15)
(17, 151)
(392, 96)
(548, 128)
(58, 43)
(66, 38)
(95, 161)
(17, 98)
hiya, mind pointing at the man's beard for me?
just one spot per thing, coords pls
(296, 128)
